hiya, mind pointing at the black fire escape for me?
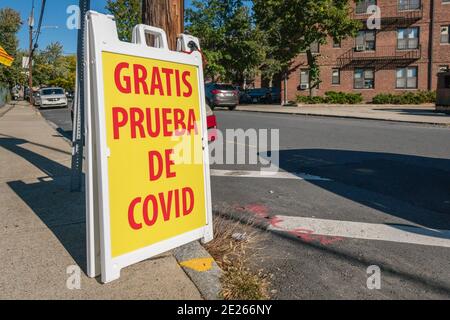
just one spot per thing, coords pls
(400, 15)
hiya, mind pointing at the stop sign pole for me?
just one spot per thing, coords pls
(79, 100)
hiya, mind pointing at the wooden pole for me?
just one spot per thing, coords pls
(165, 14)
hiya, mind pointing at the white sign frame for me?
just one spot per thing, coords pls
(101, 36)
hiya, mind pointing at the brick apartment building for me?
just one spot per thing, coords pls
(405, 54)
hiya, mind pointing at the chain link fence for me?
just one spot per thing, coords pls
(4, 94)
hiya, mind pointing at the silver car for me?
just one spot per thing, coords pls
(53, 97)
(221, 95)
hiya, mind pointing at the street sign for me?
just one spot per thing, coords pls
(148, 182)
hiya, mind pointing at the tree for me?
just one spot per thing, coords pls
(9, 25)
(293, 26)
(127, 14)
(235, 48)
(53, 68)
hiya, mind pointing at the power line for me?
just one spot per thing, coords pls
(38, 32)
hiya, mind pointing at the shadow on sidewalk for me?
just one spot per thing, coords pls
(414, 112)
(62, 211)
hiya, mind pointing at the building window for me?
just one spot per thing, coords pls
(335, 76)
(407, 78)
(364, 79)
(361, 7)
(314, 47)
(409, 4)
(445, 34)
(408, 38)
(365, 40)
(336, 44)
(304, 79)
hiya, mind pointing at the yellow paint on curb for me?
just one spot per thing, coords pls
(199, 264)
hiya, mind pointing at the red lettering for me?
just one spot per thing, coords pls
(153, 131)
(156, 82)
(168, 73)
(166, 206)
(150, 222)
(140, 76)
(169, 164)
(185, 75)
(117, 73)
(166, 122)
(187, 192)
(191, 123)
(177, 203)
(177, 82)
(136, 120)
(118, 123)
(133, 224)
(160, 206)
(178, 122)
(152, 165)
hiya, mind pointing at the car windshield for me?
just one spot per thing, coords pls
(49, 92)
(224, 87)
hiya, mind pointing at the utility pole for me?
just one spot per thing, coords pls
(30, 58)
(79, 125)
(167, 15)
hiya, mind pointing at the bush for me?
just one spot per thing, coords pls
(418, 97)
(332, 97)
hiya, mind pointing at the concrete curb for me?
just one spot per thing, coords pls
(201, 269)
(345, 117)
(362, 105)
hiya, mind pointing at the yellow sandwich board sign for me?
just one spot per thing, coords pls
(145, 113)
(5, 58)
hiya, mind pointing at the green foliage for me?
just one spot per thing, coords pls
(53, 68)
(293, 26)
(127, 14)
(233, 45)
(9, 25)
(419, 97)
(332, 97)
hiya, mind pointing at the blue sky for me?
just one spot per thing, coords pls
(55, 15)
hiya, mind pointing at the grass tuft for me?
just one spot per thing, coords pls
(234, 245)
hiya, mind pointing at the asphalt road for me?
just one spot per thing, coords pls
(362, 177)
(60, 117)
(380, 174)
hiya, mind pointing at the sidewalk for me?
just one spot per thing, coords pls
(43, 224)
(410, 113)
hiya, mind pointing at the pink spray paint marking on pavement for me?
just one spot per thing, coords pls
(261, 211)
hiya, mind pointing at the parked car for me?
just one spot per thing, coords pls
(273, 95)
(221, 95)
(258, 95)
(36, 98)
(243, 96)
(15, 94)
(53, 97)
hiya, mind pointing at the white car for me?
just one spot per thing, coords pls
(53, 97)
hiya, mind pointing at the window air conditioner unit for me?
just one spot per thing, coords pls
(360, 48)
(304, 86)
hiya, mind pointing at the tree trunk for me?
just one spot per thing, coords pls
(165, 14)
